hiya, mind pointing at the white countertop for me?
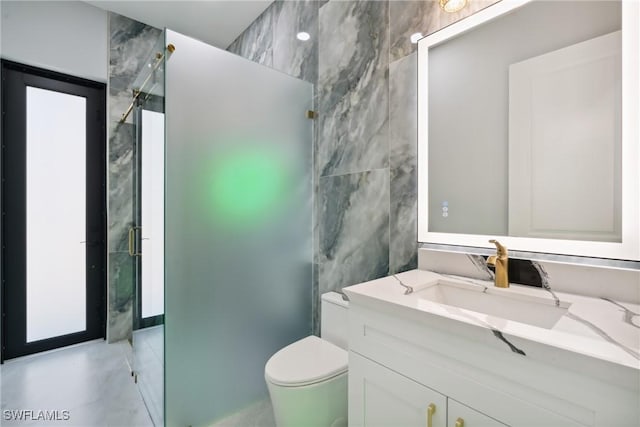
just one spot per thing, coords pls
(598, 328)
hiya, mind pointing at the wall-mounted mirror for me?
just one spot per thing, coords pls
(528, 129)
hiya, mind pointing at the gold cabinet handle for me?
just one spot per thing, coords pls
(431, 409)
(459, 422)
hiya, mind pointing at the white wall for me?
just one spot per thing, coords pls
(1, 2)
(65, 36)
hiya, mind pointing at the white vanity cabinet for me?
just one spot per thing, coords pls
(401, 361)
(381, 397)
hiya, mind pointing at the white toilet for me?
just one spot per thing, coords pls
(307, 380)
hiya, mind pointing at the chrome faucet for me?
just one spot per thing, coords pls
(500, 262)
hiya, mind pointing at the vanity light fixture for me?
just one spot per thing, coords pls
(452, 5)
(415, 37)
(303, 36)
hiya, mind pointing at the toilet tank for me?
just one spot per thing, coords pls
(334, 318)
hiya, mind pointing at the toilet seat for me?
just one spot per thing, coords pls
(308, 361)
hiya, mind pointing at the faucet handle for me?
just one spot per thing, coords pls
(501, 250)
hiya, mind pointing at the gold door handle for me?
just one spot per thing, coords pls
(131, 237)
(459, 422)
(431, 409)
(132, 242)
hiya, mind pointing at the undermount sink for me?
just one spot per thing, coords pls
(503, 303)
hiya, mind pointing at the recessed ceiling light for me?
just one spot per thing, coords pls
(303, 36)
(415, 37)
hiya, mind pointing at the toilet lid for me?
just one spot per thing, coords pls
(306, 362)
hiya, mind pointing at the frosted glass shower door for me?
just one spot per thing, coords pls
(238, 227)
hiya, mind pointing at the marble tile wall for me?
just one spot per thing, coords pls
(353, 88)
(352, 145)
(354, 228)
(271, 39)
(131, 43)
(403, 145)
(364, 69)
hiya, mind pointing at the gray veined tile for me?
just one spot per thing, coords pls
(290, 55)
(407, 18)
(119, 102)
(236, 45)
(354, 228)
(121, 138)
(256, 42)
(120, 190)
(353, 103)
(120, 324)
(121, 295)
(121, 275)
(403, 159)
(345, 201)
(131, 44)
(336, 275)
(403, 111)
(403, 228)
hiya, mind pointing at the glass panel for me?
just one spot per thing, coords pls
(152, 213)
(56, 205)
(148, 342)
(148, 359)
(238, 227)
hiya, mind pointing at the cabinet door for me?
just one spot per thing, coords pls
(381, 397)
(462, 416)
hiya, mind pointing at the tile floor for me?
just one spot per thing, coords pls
(259, 414)
(92, 381)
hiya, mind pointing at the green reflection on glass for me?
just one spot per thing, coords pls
(249, 186)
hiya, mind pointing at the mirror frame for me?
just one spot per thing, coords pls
(629, 248)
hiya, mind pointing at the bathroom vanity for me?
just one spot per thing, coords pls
(458, 352)
(507, 149)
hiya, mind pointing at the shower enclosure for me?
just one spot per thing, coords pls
(237, 234)
(146, 236)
